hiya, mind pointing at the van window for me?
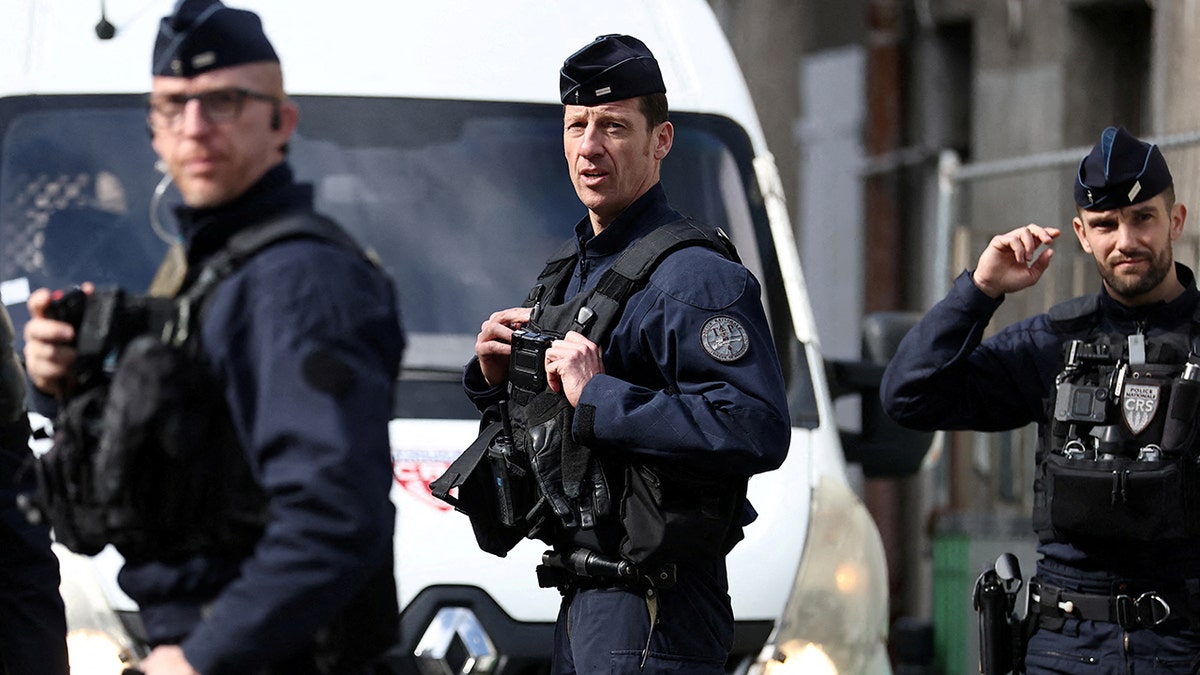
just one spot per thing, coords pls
(462, 201)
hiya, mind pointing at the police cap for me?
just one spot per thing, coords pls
(204, 35)
(1119, 171)
(610, 68)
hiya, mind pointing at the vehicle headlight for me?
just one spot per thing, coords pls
(97, 641)
(95, 652)
(835, 620)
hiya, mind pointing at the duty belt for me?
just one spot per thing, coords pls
(1149, 609)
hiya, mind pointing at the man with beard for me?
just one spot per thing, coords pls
(1110, 380)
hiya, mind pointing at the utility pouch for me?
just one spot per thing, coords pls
(673, 515)
(168, 466)
(1179, 429)
(149, 463)
(494, 489)
(66, 497)
(1117, 498)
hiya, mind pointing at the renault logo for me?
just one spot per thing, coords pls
(455, 644)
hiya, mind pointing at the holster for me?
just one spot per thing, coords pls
(1002, 634)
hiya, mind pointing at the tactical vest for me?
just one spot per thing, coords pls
(1119, 453)
(526, 476)
(145, 456)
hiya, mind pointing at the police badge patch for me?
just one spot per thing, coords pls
(1139, 403)
(724, 339)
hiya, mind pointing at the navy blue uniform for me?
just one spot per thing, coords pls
(306, 339)
(944, 376)
(33, 625)
(663, 396)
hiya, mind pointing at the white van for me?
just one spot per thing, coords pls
(432, 131)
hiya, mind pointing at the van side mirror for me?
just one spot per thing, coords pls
(883, 448)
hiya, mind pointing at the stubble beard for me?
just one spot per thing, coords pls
(1134, 287)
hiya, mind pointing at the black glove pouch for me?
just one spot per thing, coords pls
(1118, 498)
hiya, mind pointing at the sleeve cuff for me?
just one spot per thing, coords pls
(477, 388)
(41, 402)
(971, 298)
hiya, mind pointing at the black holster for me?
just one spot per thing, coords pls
(1002, 634)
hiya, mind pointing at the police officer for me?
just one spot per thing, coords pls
(1117, 588)
(305, 339)
(33, 626)
(687, 378)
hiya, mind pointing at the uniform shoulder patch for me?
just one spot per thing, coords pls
(724, 338)
(327, 373)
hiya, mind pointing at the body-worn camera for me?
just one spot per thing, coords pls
(527, 365)
(1081, 403)
(1084, 403)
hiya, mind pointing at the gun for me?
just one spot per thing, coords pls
(1001, 634)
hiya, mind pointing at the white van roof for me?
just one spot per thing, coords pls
(407, 48)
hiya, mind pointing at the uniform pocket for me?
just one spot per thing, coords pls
(624, 663)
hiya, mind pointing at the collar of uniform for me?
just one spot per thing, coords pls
(1159, 313)
(205, 230)
(644, 214)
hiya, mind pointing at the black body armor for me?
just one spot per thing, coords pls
(1119, 452)
(526, 476)
(145, 456)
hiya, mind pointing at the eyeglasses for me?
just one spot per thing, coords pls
(218, 106)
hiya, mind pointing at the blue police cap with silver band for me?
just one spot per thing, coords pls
(610, 68)
(204, 35)
(1119, 171)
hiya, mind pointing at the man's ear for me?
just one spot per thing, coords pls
(1080, 234)
(286, 117)
(1178, 219)
(663, 139)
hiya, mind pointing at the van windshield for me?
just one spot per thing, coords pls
(462, 201)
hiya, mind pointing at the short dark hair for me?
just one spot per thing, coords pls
(654, 107)
(1169, 195)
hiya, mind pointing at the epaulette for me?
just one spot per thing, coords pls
(1075, 316)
